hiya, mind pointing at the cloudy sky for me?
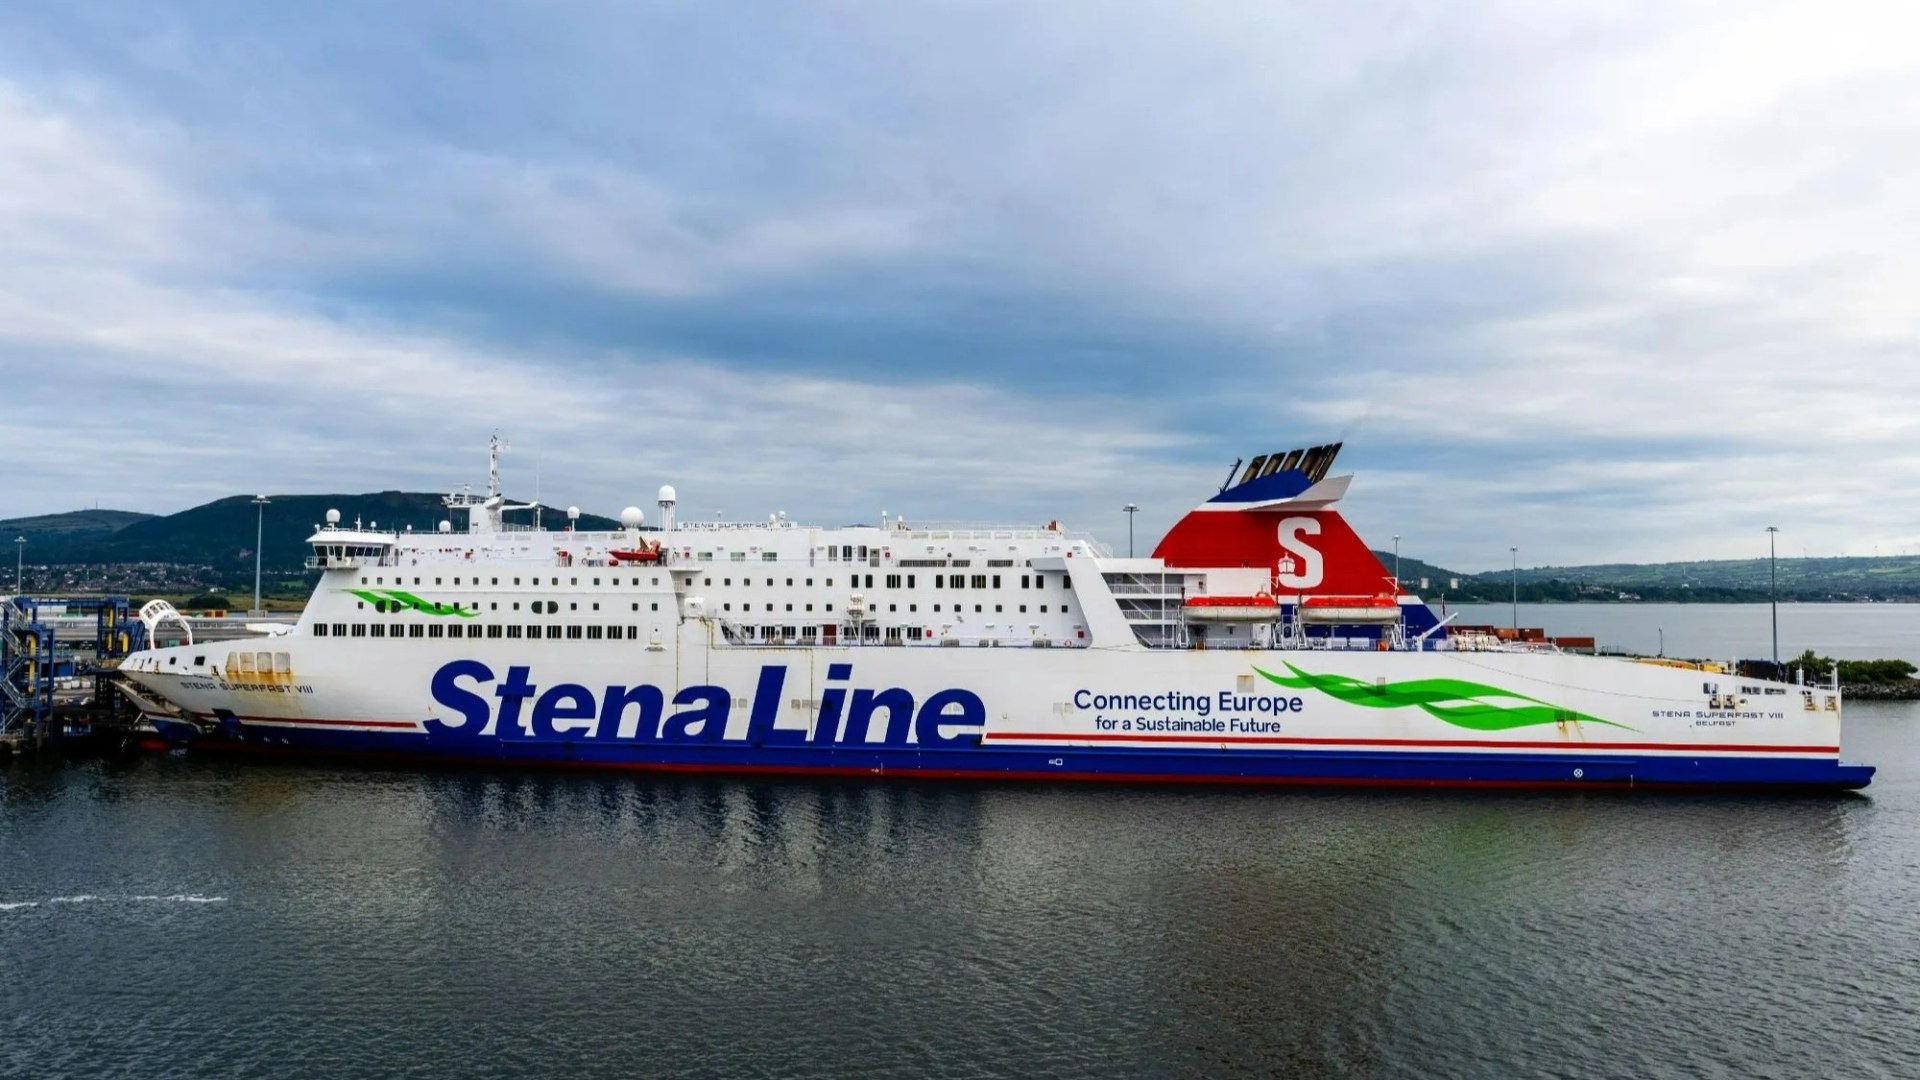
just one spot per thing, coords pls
(1606, 280)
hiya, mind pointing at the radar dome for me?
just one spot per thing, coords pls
(333, 517)
(666, 494)
(446, 526)
(632, 517)
(573, 512)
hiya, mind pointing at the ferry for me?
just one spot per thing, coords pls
(1260, 643)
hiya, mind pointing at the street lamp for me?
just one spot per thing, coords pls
(1131, 510)
(1773, 597)
(259, 533)
(1396, 564)
(19, 563)
(1663, 639)
(1515, 552)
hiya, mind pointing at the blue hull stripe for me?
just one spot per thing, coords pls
(1169, 764)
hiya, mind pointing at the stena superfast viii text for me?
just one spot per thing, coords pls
(1261, 642)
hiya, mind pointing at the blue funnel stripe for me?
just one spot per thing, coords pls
(1281, 485)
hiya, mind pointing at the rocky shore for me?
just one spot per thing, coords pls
(1905, 690)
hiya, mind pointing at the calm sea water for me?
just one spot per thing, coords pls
(182, 917)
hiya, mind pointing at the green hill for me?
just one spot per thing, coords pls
(221, 533)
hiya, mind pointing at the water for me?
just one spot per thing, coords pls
(182, 917)
(1723, 631)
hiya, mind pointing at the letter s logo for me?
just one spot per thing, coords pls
(1304, 568)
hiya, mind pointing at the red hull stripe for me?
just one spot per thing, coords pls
(308, 721)
(1487, 744)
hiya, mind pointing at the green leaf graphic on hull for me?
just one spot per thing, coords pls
(398, 601)
(1458, 702)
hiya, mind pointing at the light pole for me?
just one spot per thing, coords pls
(1663, 640)
(1131, 510)
(259, 533)
(1773, 597)
(1396, 564)
(1515, 552)
(19, 563)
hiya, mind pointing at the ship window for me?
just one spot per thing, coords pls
(436, 630)
(320, 629)
(979, 581)
(1063, 609)
(636, 607)
(846, 552)
(596, 581)
(655, 606)
(573, 633)
(593, 633)
(533, 631)
(1024, 583)
(339, 630)
(769, 607)
(789, 607)
(573, 581)
(553, 607)
(997, 609)
(706, 556)
(416, 581)
(379, 630)
(726, 581)
(726, 607)
(363, 581)
(516, 581)
(909, 581)
(1023, 609)
(976, 609)
(360, 604)
(737, 556)
(596, 605)
(769, 556)
(573, 606)
(829, 583)
(863, 551)
(707, 581)
(553, 631)
(939, 581)
(829, 607)
(656, 581)
(494, 606)
(893, 607)
(417, 630)
(633, 633)
(493, 631)
(513, 631)
(833, 553)
(516, 605)
(496, 581)
(996, 581)
(893, 581)
(809, 607)
(936, 607)
(359, 629)
(376, 581)
(807, 633)
(913, 607)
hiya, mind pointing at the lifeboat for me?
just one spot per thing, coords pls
(647, 552)
(1260, 608)
(1350, 610)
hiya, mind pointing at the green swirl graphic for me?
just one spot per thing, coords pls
(408, 600)
(1456, 701)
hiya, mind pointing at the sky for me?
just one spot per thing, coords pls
(1609, 281)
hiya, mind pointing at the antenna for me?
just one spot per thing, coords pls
(494, 446)
(1230, 472)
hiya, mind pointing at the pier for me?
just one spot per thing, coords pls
(58, 658)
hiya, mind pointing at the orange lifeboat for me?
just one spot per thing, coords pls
(647, 552)
(1258, 608)
(1350, 610)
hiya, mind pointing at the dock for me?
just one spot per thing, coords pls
(59, 687)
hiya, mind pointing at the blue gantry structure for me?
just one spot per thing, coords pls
(47, 639)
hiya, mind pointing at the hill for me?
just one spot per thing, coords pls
(72, 525)
(221, 533)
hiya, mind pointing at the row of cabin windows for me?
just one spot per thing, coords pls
(551, 607)
(655, 581)
(894, 581)
(978, 608)
(549, 631)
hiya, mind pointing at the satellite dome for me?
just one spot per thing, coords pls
(632, 517)
(573, 513)
(333, 517)
(446, 526)
(667, 494)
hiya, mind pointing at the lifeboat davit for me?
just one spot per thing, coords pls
(1350, 610)
(1260, 608)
